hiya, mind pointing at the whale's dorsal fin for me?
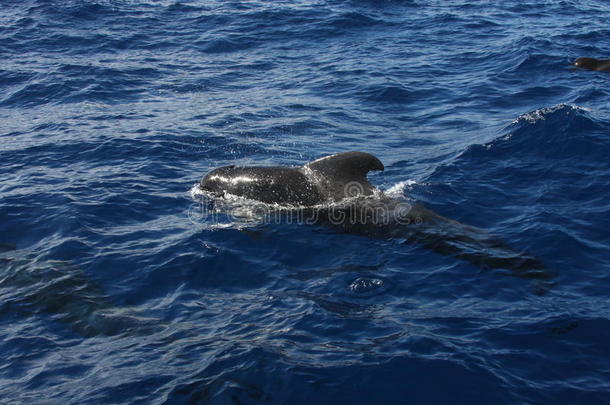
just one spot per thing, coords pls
(344, 174)
(350, 163)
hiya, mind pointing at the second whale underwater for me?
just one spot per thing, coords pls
(334, 191)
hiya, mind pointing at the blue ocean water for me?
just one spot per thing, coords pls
(116, 289)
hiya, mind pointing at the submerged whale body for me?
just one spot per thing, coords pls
(600, 65)
(334, 191)
(64, 292)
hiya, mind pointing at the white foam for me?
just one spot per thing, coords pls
(398, 189)
(196, 191)
(541, 113)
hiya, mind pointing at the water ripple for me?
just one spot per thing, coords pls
(116, 288)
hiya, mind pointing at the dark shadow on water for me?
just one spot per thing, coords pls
(440, 234)
(63, 291)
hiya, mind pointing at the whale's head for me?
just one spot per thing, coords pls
(587, 63)
(234, 180)
(216, 181)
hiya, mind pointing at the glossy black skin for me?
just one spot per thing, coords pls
(272, 185)
(329, 179)
(599, 65)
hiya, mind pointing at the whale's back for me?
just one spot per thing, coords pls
(272, 185)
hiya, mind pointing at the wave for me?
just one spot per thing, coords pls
(543, 179)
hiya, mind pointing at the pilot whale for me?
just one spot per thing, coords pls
(335, 191)
(63, 292)
(600, 65)
(329, 179)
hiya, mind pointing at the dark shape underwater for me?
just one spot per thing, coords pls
(61, 290)
(335, 192)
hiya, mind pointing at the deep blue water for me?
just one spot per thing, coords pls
(115, 289)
